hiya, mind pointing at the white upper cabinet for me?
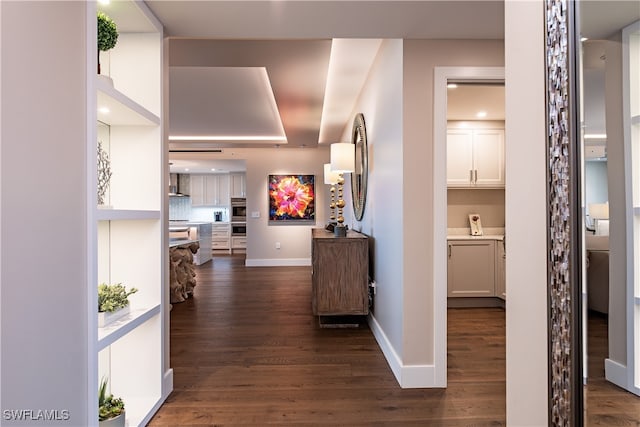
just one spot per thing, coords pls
(475, 158)
(209, 190)
(238, 185)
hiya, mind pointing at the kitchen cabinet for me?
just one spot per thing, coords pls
(475, 158)
(209, 190)
(129, 230)
(238, 242)
(238, 185)
(220, 234)
(471, 268)
(339, 276)
(501, 263)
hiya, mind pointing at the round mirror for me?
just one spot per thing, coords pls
(361, 170)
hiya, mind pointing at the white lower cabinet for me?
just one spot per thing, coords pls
(220, 234)
(501, 263)
(471, 268)
(238, 242)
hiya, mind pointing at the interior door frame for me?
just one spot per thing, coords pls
(441, 76)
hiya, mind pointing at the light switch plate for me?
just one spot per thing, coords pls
(255, 214)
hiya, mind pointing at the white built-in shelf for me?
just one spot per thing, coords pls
(122, 109)
(137, 412)
(635, 120)
(126, 214)
(119, 328)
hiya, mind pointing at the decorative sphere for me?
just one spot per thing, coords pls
(332, 205)
(341, 180)
(340, 204)
(340, 219)
(333, 189)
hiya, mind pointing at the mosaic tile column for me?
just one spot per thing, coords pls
(565, 349)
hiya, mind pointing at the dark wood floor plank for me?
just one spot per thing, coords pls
(246, 350)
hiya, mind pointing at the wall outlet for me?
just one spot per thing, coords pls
(255, 214)
(277, 245)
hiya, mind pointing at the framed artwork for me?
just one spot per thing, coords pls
(292, 199)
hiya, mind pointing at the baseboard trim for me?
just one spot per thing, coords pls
(616, 373)
(407, 376)
(278, 262)
(167, 383)
(471, 302)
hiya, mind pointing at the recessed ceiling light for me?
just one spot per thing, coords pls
(452, 86)
(104, 110)
(213, 169)
(104, 1)
(481, 114)
(584, 39)
(186, 169)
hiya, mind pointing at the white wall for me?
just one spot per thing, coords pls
(617, 205)
(526, 207)
(488, 203)
(295, 240)
(398, 214)
(420, 59)
(43, 261)
(381, 104)
(596, 182)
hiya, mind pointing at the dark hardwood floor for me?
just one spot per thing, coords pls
(246, 350)
(605, 403)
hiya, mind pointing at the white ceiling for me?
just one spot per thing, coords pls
(292, 41)
(465, 101)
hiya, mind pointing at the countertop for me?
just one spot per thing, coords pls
(181, 242)
(490, 233)
(483, 237)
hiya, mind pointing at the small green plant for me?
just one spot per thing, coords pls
(113, 297)
(108, 406)
(107, 32)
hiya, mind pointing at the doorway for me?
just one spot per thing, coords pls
(442, 76)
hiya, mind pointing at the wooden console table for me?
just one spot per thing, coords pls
(339, 277)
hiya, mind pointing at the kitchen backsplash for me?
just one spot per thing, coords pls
(488, 203)
(179, 208)
(207, 214)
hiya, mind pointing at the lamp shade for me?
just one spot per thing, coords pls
(599, 210)
(330, 177)
(343, 156)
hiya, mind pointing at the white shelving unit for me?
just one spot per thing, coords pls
(631, 100)
(130, 232)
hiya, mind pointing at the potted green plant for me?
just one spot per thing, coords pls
(110, 409)
(113, 302)
(107, 34)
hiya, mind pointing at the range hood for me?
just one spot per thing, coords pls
(179, 184)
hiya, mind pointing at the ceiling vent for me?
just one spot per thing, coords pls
(211, 150)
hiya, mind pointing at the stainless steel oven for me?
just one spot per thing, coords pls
(239, 229)
(238, 209)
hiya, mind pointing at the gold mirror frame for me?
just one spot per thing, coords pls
(360, 175)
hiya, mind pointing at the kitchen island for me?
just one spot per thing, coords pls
(193, 230)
